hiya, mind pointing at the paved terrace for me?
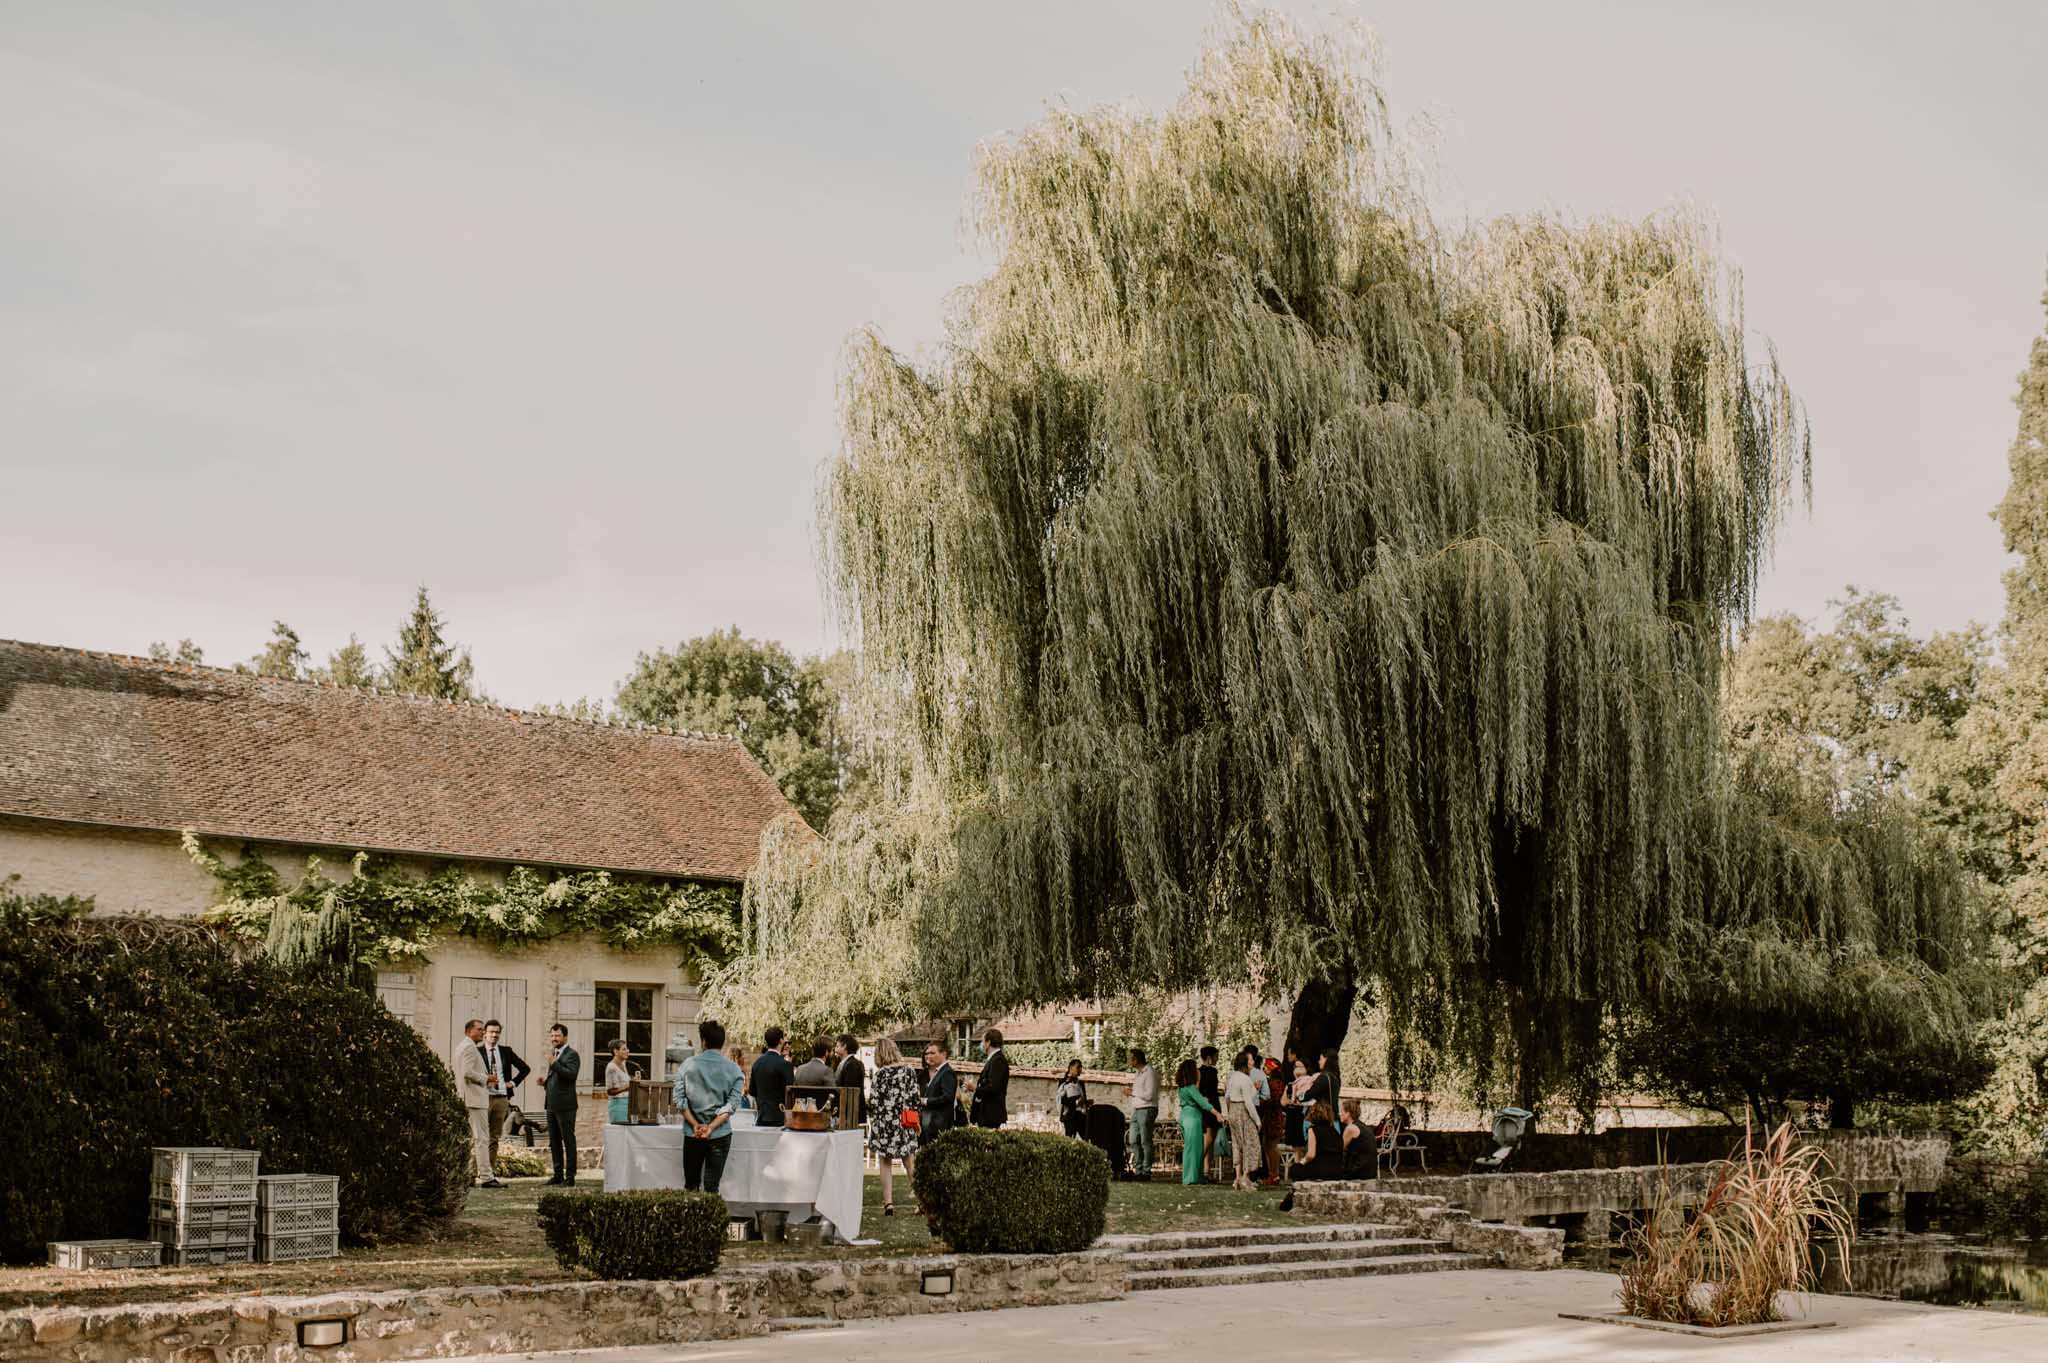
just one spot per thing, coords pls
(1487, 1316)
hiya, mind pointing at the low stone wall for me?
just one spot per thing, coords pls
(1432, 1218)
(444, 1322)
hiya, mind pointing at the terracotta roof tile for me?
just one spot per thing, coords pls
(101, 738)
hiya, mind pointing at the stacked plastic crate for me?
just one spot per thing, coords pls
(105, 1254)
(202, 1204)
(298, 1217)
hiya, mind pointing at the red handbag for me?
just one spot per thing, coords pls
(912, 1119)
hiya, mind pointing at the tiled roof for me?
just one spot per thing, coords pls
(101, 738)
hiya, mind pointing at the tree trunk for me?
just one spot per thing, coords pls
(1841, 1111)
(1320, 1018)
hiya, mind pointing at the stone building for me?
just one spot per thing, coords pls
(106, 760)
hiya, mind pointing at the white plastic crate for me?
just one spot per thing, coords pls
(216, 1254)
(242, 1190)
(292, 1220)
(105, 1254)
(312, 1244)
(298, 1190)
(241, 1214)
(196, 1164)
(176, 1236)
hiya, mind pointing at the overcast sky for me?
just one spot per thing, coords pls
(543, 304)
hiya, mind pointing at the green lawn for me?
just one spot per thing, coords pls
(496, 1241)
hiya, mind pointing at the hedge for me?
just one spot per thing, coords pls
(1012, 1192)
(118, 1034)
(645, 1233)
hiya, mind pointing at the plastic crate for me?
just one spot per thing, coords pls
(174, 1235)
(206, 1194)
(193, 1164)
(83, 1254)
(298, 1190)
(204, 1213)
(216, 1254)
(292, 1220)
(312, 1244)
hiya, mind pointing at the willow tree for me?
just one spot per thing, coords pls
(1273, 580)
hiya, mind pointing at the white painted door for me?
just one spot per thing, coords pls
(471, 996)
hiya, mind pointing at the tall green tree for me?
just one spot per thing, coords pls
(424, 661)
(2013, 1111)
(348, 665)
(1266, 574)
(781, 709)
(282, 656)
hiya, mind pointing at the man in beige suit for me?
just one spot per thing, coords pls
(473, 1076)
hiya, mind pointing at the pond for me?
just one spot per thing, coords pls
(1943, 1270)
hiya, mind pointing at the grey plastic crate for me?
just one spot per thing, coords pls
(204, 1213)
(298, 1190)
(197, 1164)
(204, 1194)
(83, 1254)
(312, 1244)
(173, 1235)
(292, 1220)
(213, 1254)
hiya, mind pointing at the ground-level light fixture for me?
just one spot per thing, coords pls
(323, 1334)
(937, 1282)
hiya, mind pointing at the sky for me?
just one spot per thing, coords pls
(544, 306)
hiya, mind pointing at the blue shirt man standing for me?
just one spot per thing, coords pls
(708, 1089)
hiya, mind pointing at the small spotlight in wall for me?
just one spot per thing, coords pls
(938, 1282)
(323, 1334)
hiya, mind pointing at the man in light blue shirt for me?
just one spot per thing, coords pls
(708, 1090)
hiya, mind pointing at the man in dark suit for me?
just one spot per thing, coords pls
(991, 1102)
(771, 1079)
(565, 1068)
(852, 1073)
(1208, 1084)
(506, 1070)
(941, 1093)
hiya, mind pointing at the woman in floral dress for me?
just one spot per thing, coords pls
(896, 1091)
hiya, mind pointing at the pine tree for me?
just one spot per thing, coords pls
(425, 662)
(282, 656)
(348, 665)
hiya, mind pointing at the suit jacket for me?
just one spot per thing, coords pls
(560, 1085)
(471, 1075)
(940, 1096)
(515, 1069)
(813, 1073)
(991, 1106)
(854, 1075)
(769, 1085)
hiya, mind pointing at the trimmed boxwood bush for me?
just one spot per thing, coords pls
(118, 1034)
(1012, 1192)
(645, 1233)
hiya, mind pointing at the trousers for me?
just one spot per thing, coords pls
(562, 1143)
(704, 1162)
(480, 1140)
(1141, 1140)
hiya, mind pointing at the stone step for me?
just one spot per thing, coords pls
(1329, 1251)
(1305, 1272)
(783, 1325)
(1311, 1233)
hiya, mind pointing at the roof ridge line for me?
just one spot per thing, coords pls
(368, 689)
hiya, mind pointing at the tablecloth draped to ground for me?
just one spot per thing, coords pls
(769, 1169)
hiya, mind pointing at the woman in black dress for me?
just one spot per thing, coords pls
(1323, 1157)
(1073, 1102)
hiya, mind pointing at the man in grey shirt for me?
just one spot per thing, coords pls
(1144, 1111)
(817, 1071)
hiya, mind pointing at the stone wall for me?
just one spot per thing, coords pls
(1432, 1218)
(444, 1322)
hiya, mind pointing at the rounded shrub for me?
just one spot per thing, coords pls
(1012, 1192)
(119, 1034)
(644, 1233)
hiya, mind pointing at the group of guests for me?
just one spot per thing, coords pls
(1262, 1105)
(488, 1073)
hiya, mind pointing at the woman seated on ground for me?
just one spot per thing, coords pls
(1074, 1102)
(1323, 1158)
(1361, 1147)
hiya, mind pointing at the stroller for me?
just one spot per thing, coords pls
(1103, 1127)
(1509, 1125)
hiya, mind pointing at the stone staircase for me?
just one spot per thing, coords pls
(1213, 1258)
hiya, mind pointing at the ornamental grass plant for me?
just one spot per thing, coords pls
(1749, 1241)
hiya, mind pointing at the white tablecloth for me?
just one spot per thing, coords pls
(769, 1169)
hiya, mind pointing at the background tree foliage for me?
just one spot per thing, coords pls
(424, 662)
(785, 711)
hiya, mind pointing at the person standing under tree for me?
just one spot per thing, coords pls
(895, 1117)
(1194, 1110)
(1212, 1091)
(1144, 1112)
(990, 1105)
(1241, 1109)
(852, 1074)
(941, 1093)
(708, 1090)
(772, 1077)
(565, 1068)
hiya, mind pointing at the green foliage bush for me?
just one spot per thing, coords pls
(1995, 1197)
(121, 1034)
(645, 1233)
(1012, 1192)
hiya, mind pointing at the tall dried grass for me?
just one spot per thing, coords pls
(1750, 1239)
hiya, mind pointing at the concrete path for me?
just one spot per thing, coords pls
(1488, 1316)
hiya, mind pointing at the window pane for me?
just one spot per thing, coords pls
(602, 1035)
(643, 1063)
(640, 1037)
(608, 1001)
(640, 1004)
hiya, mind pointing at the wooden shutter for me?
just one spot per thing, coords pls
(399, 991)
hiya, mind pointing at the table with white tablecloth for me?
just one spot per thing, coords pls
(768, 1169)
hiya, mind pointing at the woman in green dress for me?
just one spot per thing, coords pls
(1192, 1106)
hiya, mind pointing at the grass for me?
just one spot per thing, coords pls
(496, 1241)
